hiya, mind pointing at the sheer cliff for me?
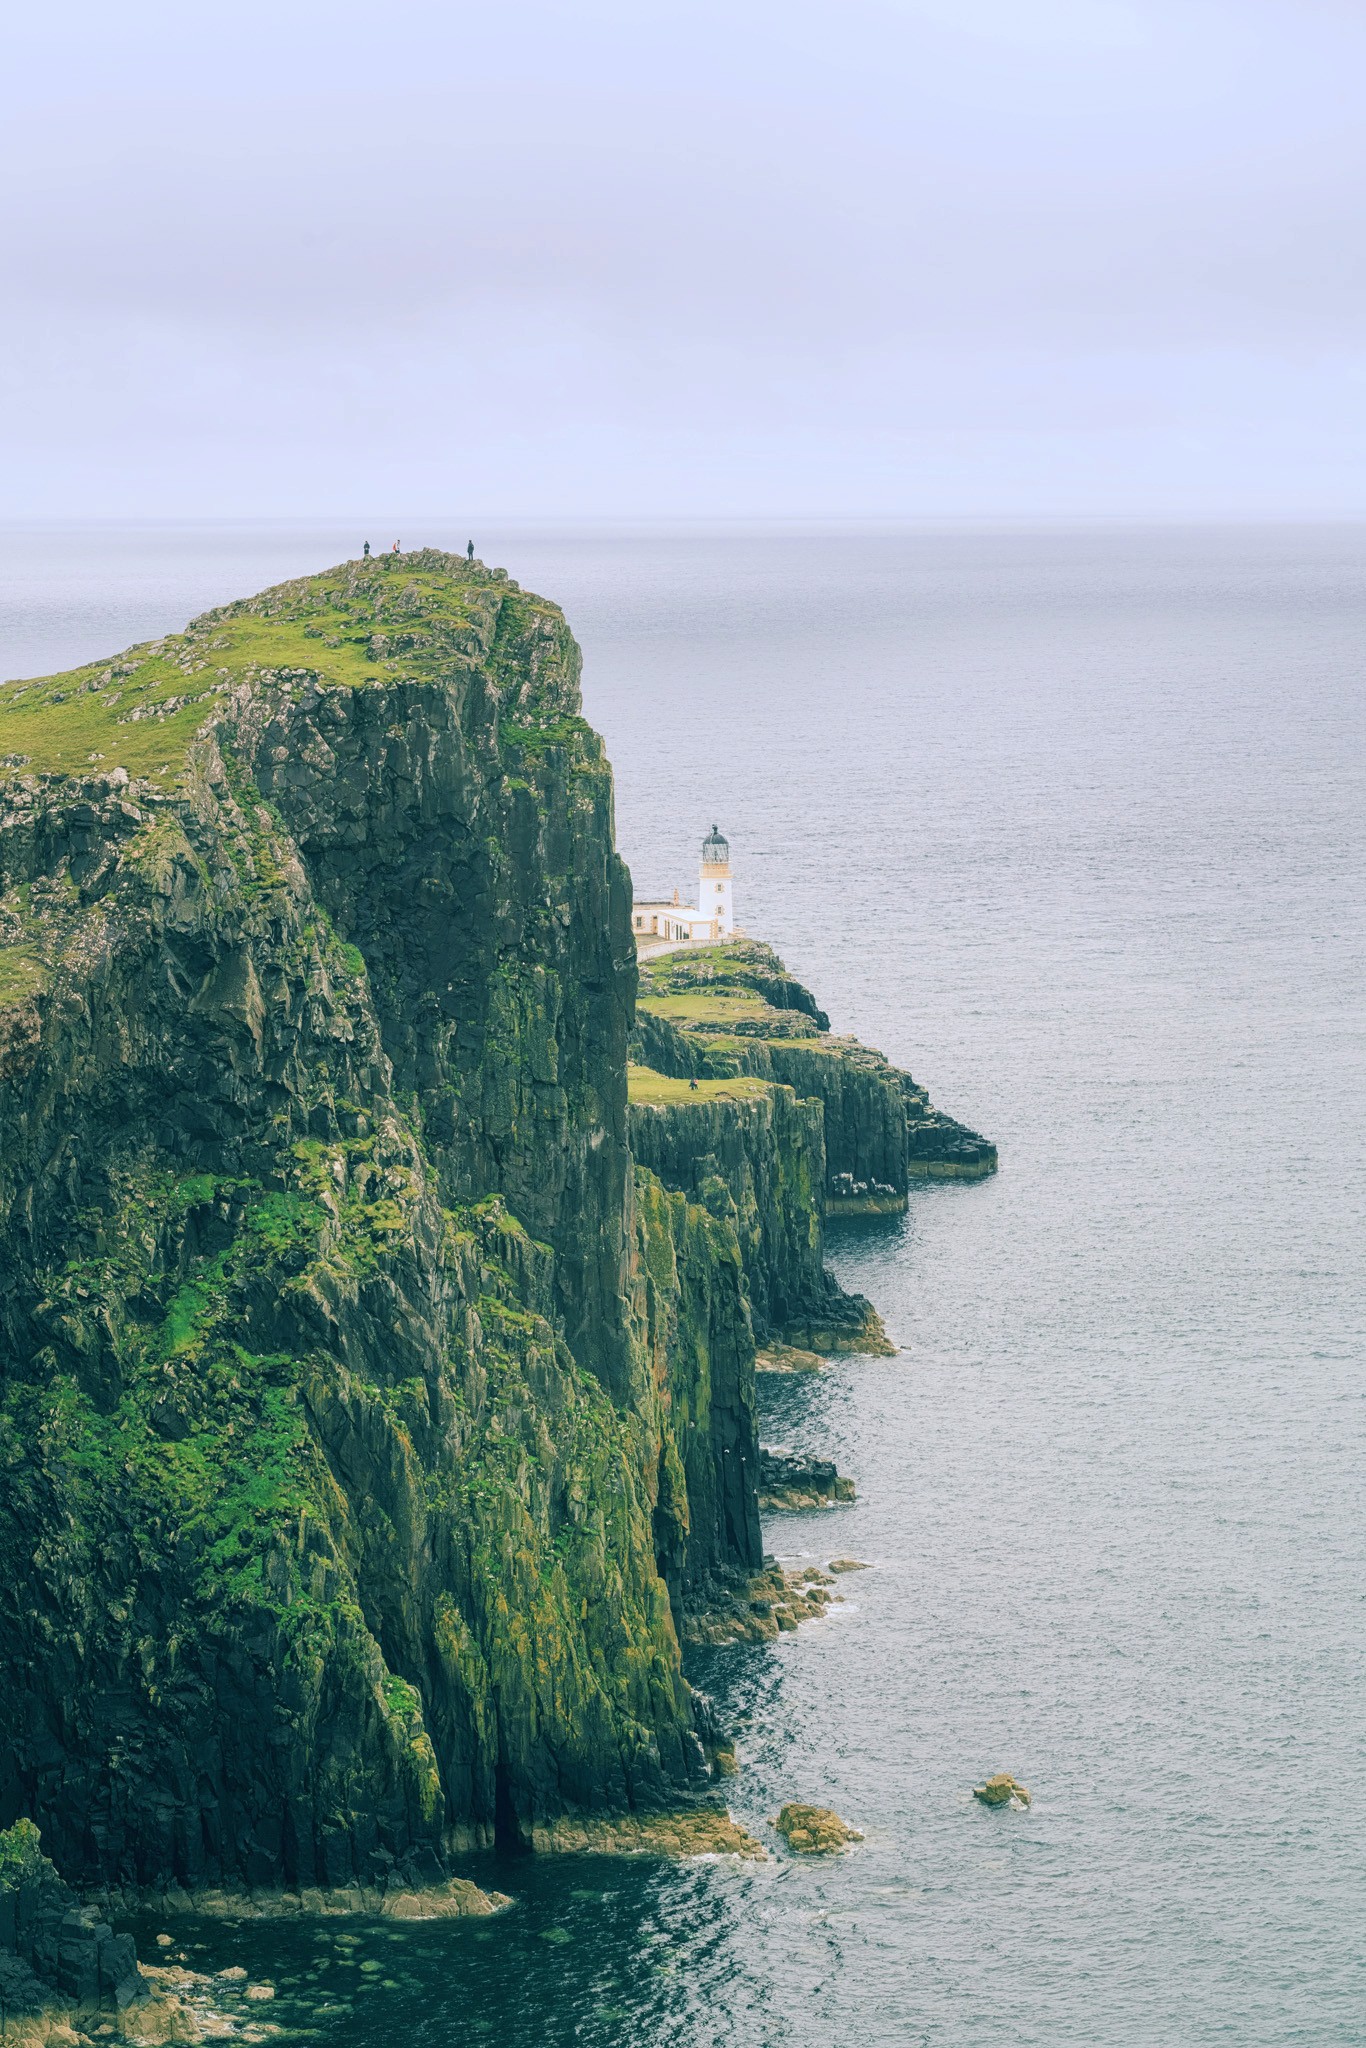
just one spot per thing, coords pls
(338, 1455)
(376, 1378)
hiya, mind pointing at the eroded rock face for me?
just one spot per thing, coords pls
(53, 1950)
(733, 1009)
(757, 1163)
(352, 1392)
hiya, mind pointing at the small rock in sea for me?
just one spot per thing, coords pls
(260, 1992)
(233, 1975)
(814, 1830)
(165, 1941)
(1001, 1790)
(848, 1564)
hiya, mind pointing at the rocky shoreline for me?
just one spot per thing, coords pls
(792, 1483)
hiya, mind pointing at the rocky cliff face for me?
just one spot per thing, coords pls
(370, 1419)
(755, 1158)
(734, 1009)
(52, 1949)
(336, 1422)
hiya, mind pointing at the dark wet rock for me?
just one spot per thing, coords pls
(758, 1609)
(793, 1482)
(53, 1948)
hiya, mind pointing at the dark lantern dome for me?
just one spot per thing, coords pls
(715, 851)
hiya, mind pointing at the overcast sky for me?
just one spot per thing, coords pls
(607, 258)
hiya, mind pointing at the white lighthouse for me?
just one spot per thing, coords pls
(663, 926)
(713, 884)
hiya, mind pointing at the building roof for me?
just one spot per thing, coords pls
(715, 850)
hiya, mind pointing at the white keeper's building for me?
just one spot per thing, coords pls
(702, 924)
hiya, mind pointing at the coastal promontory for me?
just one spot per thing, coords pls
(377, 1345)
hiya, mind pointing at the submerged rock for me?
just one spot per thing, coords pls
(1001, 1790)
(814, 1830)
(848, 1564)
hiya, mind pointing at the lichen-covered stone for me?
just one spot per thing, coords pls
(692, 1831)
(814, 1830)
(758, 1609)
(1001, 1790)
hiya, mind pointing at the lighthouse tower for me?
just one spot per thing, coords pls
(713, 886)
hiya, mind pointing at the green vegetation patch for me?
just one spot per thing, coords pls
(22, 974)
(205, 1436)
(644, 1085)
(732, 1006)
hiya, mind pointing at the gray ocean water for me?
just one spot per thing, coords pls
(1073, 824)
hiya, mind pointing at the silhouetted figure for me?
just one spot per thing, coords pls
(365, 551)
(469, 550)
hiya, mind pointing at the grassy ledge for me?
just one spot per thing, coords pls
(644, 1085)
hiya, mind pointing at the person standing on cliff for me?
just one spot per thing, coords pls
(469, 550)
(365, 552)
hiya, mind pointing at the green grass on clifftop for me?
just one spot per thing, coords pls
(392, 618)
(734, 1005)
(644, 1085)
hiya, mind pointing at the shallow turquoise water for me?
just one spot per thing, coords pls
(1074, 826)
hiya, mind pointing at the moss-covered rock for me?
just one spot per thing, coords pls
(754, 1155)
(733, 1010)
(371, 1423)
(336, 1437)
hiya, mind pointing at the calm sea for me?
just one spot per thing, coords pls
(1073, 824)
